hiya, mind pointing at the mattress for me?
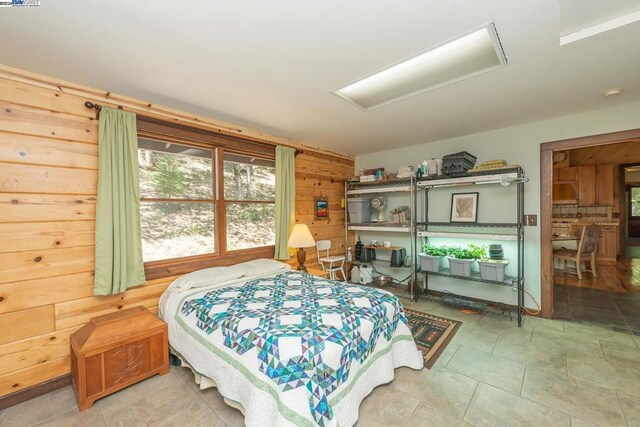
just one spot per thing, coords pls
(291, 348)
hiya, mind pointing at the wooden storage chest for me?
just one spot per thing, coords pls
(116, 350)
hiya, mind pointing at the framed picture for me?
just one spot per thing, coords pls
(322, 208)
(464, 207)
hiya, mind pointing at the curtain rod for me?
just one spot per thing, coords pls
(98, 108)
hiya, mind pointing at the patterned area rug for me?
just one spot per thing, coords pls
(431, 333)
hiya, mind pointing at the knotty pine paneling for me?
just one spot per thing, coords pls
(33, 375)
(52, 124)
(26, 323)
(29, 236)
(35, 150)
(48, 177)
(22, 207)
(33, 351)
(45, 291)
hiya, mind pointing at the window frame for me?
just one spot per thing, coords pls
(179, 134)
(224, 201)
(629, 202)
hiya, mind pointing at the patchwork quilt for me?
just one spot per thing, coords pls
(307, 339)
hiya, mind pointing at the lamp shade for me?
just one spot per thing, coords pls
(301, 237)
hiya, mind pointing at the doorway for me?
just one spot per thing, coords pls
(586, 181)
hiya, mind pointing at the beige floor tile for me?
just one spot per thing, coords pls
(41, 408)
(621, 353)
(544, 324)
(172, 406)
(631, 409)
(502, 373)
(444, 389)
(503, 326)
(491, 406)
(447, 354)
(475, 336)
(577, 343)
(579, 422)
(551, 359)
(230, 416)
(608, 375)
(427, 416)
(211, 420)
(131, 394)
(386, 406)
(74, 418)
(587, 401)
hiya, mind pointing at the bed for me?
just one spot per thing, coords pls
(286, 347)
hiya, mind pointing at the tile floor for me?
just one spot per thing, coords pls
(547, 373)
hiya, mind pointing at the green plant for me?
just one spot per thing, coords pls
(478, 251)
(473, 251)
(435, 250)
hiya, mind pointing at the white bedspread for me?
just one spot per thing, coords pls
(291, 348)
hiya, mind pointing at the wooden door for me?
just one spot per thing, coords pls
(586, 185)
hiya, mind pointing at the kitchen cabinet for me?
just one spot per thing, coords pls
(564, 174)
(607, 251)
(586, 176)
(607, 188)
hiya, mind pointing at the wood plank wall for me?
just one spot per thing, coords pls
(48, 181)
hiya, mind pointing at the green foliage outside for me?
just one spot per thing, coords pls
(635, 201)
(175, 229)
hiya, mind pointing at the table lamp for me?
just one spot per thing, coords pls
(301, 238)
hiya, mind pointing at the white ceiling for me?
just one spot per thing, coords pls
(273, 65)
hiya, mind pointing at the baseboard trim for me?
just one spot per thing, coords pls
(34, 391)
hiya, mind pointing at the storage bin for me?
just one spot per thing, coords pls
(359, 211)
(460, 267)
(430, 262)
(492, 270)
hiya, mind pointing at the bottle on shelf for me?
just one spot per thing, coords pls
(359, 246)
(349, 255)
(425, 168)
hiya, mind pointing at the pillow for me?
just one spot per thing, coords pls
(263, 266)
(208, 276)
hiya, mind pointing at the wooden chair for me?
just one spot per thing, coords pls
(586, 250)
(331, 264)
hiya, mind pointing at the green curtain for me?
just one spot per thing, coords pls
(285, 199)
(118, 245)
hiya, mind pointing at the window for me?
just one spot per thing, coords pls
(249, 198)
(177, 204)
(634, 202)
(203, 195)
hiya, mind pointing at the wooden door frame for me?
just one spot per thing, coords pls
(546, 202)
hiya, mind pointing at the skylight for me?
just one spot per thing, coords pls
(467, 55)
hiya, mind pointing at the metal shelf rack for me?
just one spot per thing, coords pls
(505, 177)
(380, 187)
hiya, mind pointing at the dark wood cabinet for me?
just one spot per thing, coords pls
(116, 350)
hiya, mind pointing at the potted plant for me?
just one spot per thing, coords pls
(460, 259)
(431, 258)
(492, 269)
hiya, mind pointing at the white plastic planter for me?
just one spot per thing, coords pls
(493, 269)
(460, 267)
(430, 262)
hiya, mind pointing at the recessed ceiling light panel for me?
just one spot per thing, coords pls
(468, 55)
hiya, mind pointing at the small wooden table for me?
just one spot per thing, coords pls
(117, 350)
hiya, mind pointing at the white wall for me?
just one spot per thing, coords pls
(519, 145)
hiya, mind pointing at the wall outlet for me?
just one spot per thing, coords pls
(531, 220)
